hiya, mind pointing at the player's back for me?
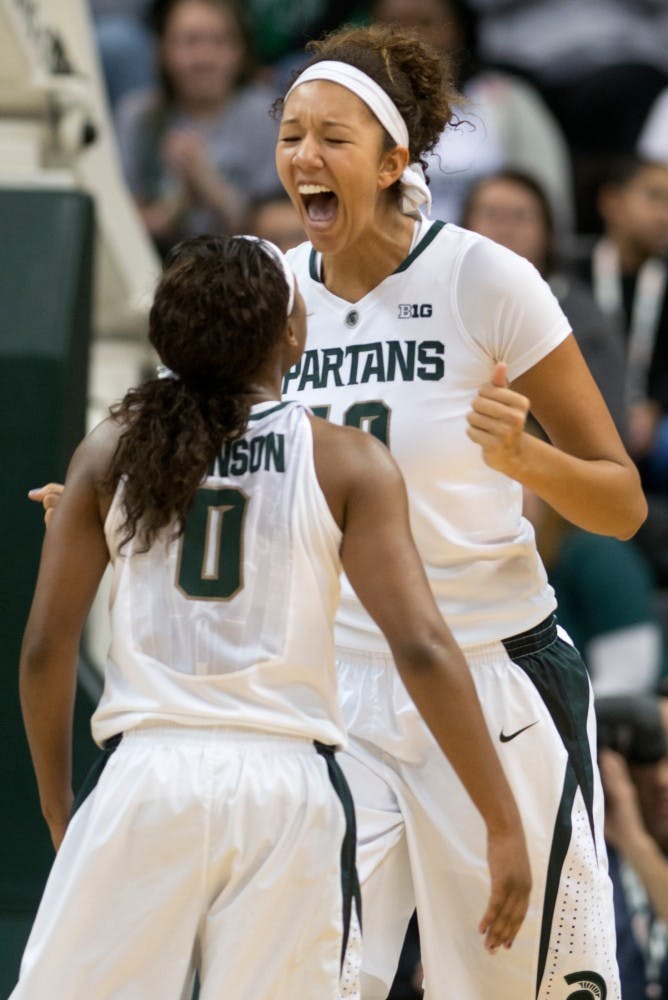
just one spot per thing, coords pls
(231, 623)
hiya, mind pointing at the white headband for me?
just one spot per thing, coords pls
(414, 188)
(280, 258)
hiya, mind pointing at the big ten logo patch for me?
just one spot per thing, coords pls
(414, 310)
(589, 986)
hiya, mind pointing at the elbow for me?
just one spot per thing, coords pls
(634, 517)
(40, 654)
(631, 509)
(427, 654)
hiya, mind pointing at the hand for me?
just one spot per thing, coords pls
(623, 819)
(511, 885)
(642, 421)
(496, 421)
(185, 155)
(48, 496)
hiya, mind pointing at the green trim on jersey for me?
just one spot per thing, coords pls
(429, 236)
(272, 409)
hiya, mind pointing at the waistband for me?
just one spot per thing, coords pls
(222, 735)
(533, 640)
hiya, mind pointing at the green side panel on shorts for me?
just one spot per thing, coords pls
(560, 677)
(46, 258)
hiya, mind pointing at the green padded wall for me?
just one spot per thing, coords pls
(46, 249)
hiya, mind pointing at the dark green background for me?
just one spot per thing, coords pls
(46, 255)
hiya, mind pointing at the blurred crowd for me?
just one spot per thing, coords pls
(558, 149)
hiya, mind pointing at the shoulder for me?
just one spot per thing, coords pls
(93, 455)
(356, 472)
(491, 265)
(352, 452)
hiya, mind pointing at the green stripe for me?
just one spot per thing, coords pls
(350, 887)
(313, 265)
(265, 413)
(422, 245)
(561, 838)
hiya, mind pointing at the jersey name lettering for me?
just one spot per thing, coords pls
(236, 458)
(358, 364)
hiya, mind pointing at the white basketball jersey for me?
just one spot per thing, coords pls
(232, 623)
(405, 362)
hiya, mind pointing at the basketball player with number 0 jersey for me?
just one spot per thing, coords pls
(220, 834)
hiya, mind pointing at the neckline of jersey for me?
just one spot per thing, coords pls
(315, 260)
(260, 410)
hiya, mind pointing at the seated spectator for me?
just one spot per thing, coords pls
(275, 218)
(599, 64)
(502, 120)
(197, 149)
(125, 45)
(512, 209)
(627, 271)
(633, 758)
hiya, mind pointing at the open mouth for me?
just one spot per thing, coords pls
(320, 203)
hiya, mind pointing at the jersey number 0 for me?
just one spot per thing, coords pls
(210, 563)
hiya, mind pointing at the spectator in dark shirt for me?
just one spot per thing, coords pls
(627, 271)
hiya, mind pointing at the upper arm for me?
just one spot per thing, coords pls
(568, 405)
(74, 552)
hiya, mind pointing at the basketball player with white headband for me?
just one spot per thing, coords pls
(220, 834)
(438, 341)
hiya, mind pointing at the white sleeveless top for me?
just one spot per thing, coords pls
(232, 623)
(405, 362)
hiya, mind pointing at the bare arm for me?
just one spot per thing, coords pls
(385, 569)
(626, 831)
(74, 556)
(585, 473)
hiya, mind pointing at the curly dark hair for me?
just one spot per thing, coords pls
(218, 310)
(416, 77)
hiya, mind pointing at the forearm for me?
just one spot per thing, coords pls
(165, 215)
(221, 197)
(643, 854)
(47, 688)
(598, 495)
(439, 682)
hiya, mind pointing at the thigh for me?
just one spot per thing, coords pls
(120, 909)
(540, 714)
(274, 924)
